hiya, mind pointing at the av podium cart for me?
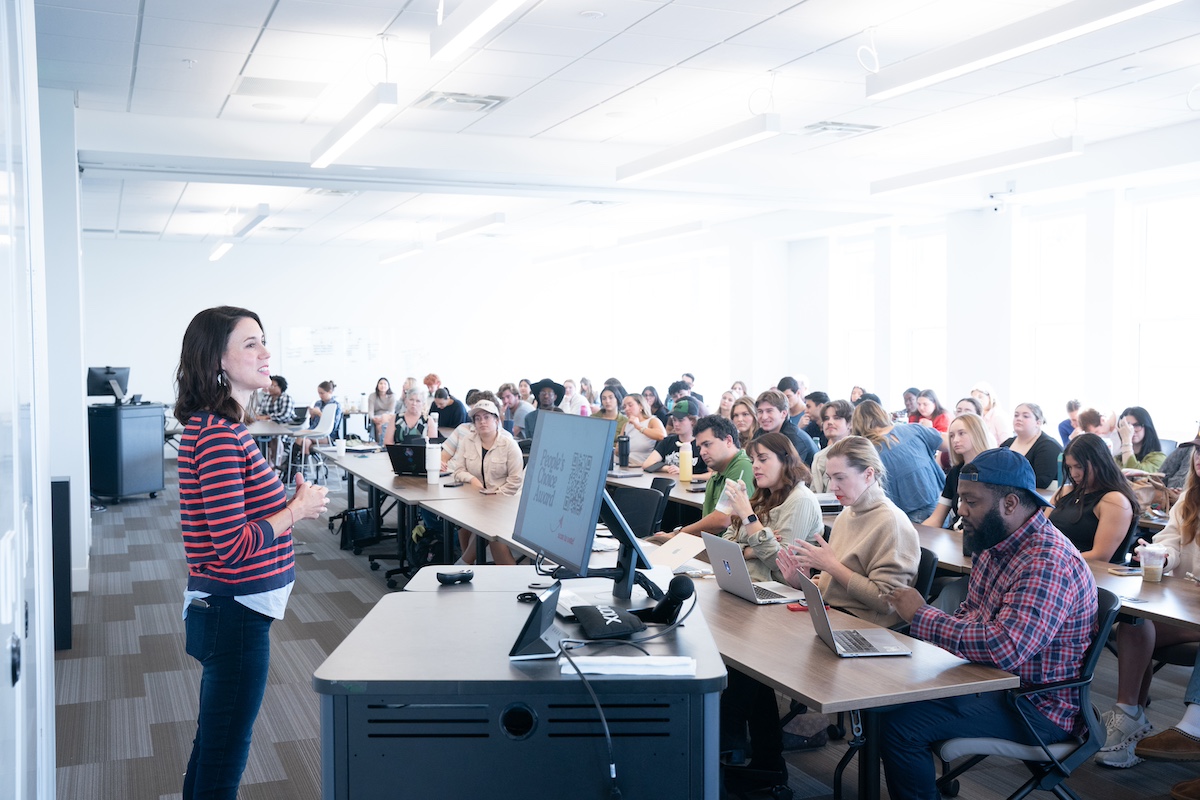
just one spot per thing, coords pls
(126, 450)
(421, 701)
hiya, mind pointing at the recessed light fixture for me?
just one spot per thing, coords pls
(592, 14)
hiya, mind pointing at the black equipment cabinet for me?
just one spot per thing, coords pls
(126, 443)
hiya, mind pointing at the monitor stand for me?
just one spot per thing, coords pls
(116, 390)
(629, 558)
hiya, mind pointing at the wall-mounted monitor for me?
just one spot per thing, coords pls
(108, 382)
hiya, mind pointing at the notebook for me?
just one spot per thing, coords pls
(849, 643)
(540, 637)
(729, 568)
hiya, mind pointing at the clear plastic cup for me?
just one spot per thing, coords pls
(1154, 558)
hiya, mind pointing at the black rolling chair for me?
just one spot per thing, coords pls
(638, 506)
(664, 485)
(1052, 764)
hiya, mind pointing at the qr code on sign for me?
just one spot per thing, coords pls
(581, 466)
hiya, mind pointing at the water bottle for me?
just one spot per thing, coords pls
(431, 429)
(433, 462)
(623, 451)
(685, 462)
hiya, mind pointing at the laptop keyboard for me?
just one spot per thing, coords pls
(766, 594)
(854, 641)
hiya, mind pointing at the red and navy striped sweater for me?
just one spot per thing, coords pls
(226, 492)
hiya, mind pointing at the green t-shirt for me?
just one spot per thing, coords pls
(739, 467)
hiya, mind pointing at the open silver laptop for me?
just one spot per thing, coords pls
(729, 568)
(849, 643)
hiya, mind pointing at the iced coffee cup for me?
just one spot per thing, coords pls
(1154, 558)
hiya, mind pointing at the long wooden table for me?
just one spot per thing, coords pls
(679, 492)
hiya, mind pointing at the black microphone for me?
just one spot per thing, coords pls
(667, 610)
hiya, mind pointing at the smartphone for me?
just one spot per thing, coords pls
(451, 485)
(1125, 571)
(695, 489)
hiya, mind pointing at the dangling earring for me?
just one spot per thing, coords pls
(221, 379)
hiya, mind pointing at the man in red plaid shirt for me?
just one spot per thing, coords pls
(1030, 609)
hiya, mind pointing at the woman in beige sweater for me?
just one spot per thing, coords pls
(873, 548)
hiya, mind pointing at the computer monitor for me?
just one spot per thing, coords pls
(563, 496)
(108, 381)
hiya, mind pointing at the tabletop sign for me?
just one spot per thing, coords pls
(564, 482)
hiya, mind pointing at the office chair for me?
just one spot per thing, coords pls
(664, 485)
(638, 506)
(296, 458)
(1050, 765)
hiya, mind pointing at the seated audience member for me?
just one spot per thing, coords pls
(726, 406)
(451, 442)
(739, 389)
(432, 384)
(968, 405)
(968, 437)
(909, 454)
(726, 463)
(589, 395)
(277, 405)
(810, 423)
(451, 411)
(656, 405)
(835, 424)
(1136, 641)
(683, 414)
(873, 548)
(1030, 608)
(643, 428)
(874, 398)
(1095, 508)
(549, 397)
(681, 389)
(794, 391)
(690, 380)
(910, 403)
(856, 392)
(744, 418)
(573, 402)
(411, 423)
(1038, 447)
(610, 404)
(1139, 445)
(326, 404)
(1067, 428)
(490, 462)
(772, 409)
(1177, 466)
(515, 409)
(779, 510)
(993, 414)
(381, 409)
(524, 388)
(930, 412)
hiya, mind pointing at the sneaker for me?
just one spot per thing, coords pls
(1122, 735)
(1122, 758)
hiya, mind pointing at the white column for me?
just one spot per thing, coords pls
(64, 279)
(1109, 260)
(806, 317)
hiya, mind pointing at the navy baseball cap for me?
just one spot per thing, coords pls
(1002, 467)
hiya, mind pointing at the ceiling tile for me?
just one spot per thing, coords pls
(338, 19)
(613, 73)
(108, 6)
(87, 24)
(198, 35)
(419, 119)
(743, 58)
(158, 102)
(294, 69)
(70, 72)
(526, 38)
(92, 51)
(704, 24)
(471, 83)
(618, 14)
(562, 97)
(516, 65)
(240, 13)
(499, 123)
(290, 44)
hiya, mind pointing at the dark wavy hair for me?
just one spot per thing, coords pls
(1100, 471)
(795, 472)
(200, 384)
(1150, 442)
(930, 395)
(655, 405)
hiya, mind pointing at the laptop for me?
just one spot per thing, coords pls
(729, 568)
(299, 415)
(673, 554)
(849, 643)
(540, 637)
(407, 459)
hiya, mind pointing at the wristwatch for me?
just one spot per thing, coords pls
(750, 519)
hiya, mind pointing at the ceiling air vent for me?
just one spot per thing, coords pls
(838, 129)
(275, 87)
(458, 101)
(317, 192)
(279, 229)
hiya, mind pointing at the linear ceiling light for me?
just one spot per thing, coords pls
(755, 129)
(475, 226)
(984, 165)
(251, 220)
(220, 250)
(379, 104)
(1024, 36)
(403, 254)
(470, 22)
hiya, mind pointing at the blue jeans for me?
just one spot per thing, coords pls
(906, 732)
(233, 645)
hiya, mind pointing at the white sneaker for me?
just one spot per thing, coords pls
(1121, 758)
(1122, 732)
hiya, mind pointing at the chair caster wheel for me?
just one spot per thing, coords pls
(153, 495)
(358, 551)
(835, 732)
(950, 789)
(374, 566)
(391, 583)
